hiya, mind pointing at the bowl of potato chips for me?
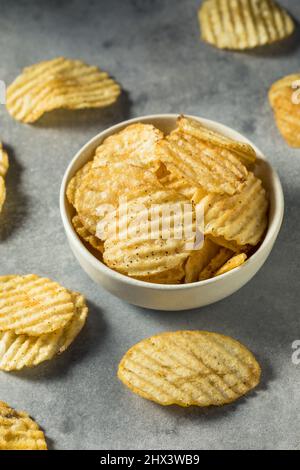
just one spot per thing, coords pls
(171, 212)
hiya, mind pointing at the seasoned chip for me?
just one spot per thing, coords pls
(18, 351)
(179, 183)
(99, 190)
(243, 151)
(75, 182)
(285, 100)
(199, 259)
(3, 170)
(243, 24)
(59, 83)
(230, 244)
(189, 368)
(222, 256)
(135, 145)
(18, 431)
(232, 263)
(172, 276)
(241, 218)
(86, 235)
(33, 305)
(155, 233)
(212, 168)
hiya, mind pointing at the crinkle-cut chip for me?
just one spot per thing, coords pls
(135, 145)
(213, 169)
(100, 189)
(33, 305)
(59, 83)
(241, 218)
(232, 263)
(18, 351)
(222, 256)
(86, 235)
(198, 259)
(155, 233)
(179, 183)
(4, 163)
(172, 276)
(243, 24)
(18, 431)
(284, 97)
(230, 244)
(188, 368)
(75, 182)
(242, 150)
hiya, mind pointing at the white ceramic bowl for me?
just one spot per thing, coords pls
(173, 297)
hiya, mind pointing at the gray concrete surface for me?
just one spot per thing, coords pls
(152, 48)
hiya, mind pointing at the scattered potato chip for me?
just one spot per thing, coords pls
(153, 248)
(212, 168)
(243, 24)
(232, 263)
(18, 431)
(86, 235)
(4, 164)
(241, 217)
(134, 145)
(284, 97)
(33, 305)
(242, 150)
(199, 259)
(18, 351)
(59, 83)
(188, 368)
(210, 270)
(100, 188)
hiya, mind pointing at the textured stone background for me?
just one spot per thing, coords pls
(152, 48)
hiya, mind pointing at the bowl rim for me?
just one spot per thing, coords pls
(272, 231)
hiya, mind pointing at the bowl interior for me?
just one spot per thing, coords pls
(167, 123)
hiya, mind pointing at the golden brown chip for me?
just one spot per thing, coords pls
(284, 97)
(18, 431)
(134, 145)
(100, 189)
(210, 270)
(59, 83)
(241, 218)
(199, 259)
(172, 276)
(18, 351)
(189, 368)
(212, 168)
(243, 151)
(243, 24)
(230, 244)
(232, 263)
(155, 234)
(75, 182)
(179, 183)
(4, 164)
(33, 305)
(86, 235)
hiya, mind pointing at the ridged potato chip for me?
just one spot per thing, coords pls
(232, 263)
(199, 259)
(230, 244)
(178, 183)
(172, 276)
(140, 248)
(74, 184)
(100, 188)
(188, 368)
(212, 168)
(21, 350)
(134, 145)
(33, 305)
(18, 431)
(243, 151)
(243, 24)
(59, 83)
(284, 98)
(241, 218)
(4, 164)
(210, 270)
(86, 235)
